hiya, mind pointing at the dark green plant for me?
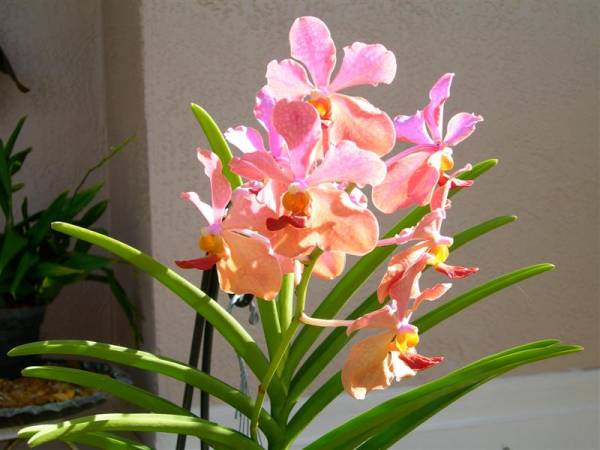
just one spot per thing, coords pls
(36, 263)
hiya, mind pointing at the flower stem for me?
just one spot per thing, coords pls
(301, 291)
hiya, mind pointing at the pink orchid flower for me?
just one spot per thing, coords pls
(346, 118)
(314, 211)
(244, 258)
(433, 247)
(413, 174)
(377, 361)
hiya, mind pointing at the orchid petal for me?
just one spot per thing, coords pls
(355, 119)
(299, 124)
(384, 317)
(398, 266)
(263, 111)
(370, 366)
(460, 127)
(259, 166)
(204, 263)
(251, 268)
(288, 79)
(346, 163)
(411, 179)
(330, 265)
(311, 44)
(247, 140)
(340, 223)
(219, 186)
(455, 272)
(419, 362)
(431, 294)
(412, 129)
(205, 209)
(365, 64)
(434, 111)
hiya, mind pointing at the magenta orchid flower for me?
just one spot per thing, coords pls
(413, 174)
(313, 210)
(244, 258)
(346, 118)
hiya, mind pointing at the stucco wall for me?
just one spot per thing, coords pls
(56, 49)
(529, 67)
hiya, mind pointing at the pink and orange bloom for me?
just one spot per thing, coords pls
(303, 190)
(414, 173)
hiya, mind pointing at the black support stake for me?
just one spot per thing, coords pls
(210, 286)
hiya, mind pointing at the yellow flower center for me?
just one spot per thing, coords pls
(212, 243)
(404, 341)
(439, 254)
(297, 203)
(322, 105)
(447, 162)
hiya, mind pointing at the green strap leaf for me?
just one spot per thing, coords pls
(223, 322)
(27, 261)
(358, 274)
(335, 341)
(166, 423)
(97, 440)
(105, 383)
(12, 244)
(431, 397)
(90, 217)
(12, 140)
(217, 143)
(152, 363)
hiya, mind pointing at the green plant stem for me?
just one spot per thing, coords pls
(285, 301)
(113, 151)
(285, 341)
(270, 323)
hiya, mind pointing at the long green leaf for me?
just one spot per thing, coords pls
(25, 263)
(223, 322)
(107, 441)
(147, 361)
(377, 419)
(336, 339)
(16, 161)
(166, 423)
(12, 244)
(12, 140)
(97, 440)
(217, 143)
(358, 274)
(105, 383)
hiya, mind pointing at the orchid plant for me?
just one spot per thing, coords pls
(294, 206)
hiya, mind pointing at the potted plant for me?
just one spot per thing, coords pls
(36, 263)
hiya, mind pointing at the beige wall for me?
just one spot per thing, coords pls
(56, 49)
(100, 73)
